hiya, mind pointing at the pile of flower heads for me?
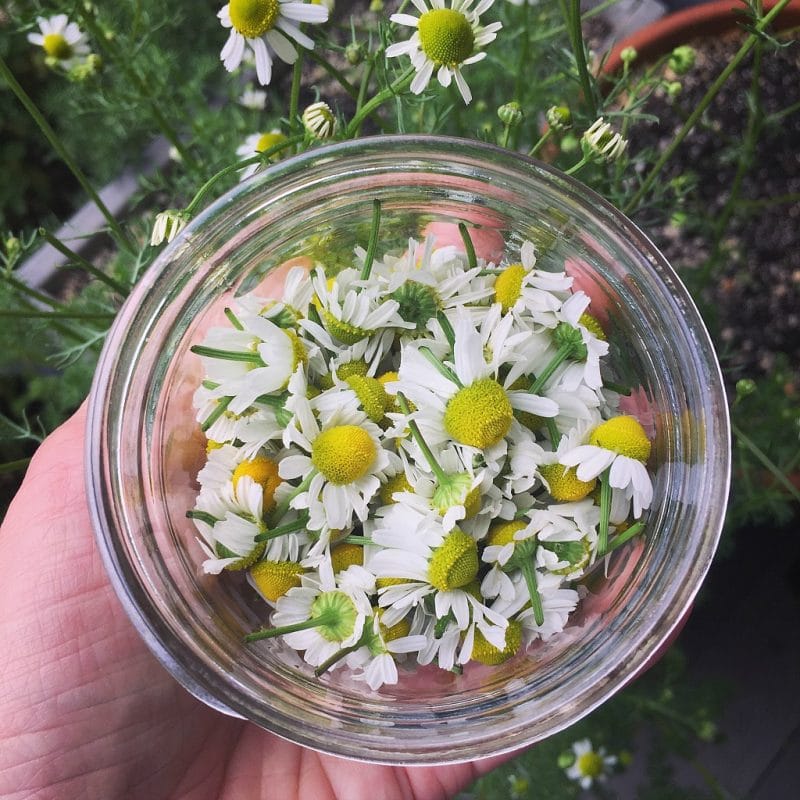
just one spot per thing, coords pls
(415, 458)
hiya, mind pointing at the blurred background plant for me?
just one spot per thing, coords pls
(72, 120)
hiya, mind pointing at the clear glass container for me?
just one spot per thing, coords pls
(144, 449)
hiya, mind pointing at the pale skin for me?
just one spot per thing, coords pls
(88, 712)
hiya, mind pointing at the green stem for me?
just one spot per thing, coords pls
(469, 247)
(282, 530)
(523, 60)
(81, 262)
(562, 354)
(338, 656)
(625, 536)
(605, 511)
(447, 329)
(765, 460)
(55, 142)
(239, 165)
(226, 355)
(54, 314)
(354, 538)
(571, 11)
(390, 91)
(336, 74)
(234, 320)
(575, 167)
(700, 108)
(440, 474)
(540, 144)
(269, 633)
(285, 504)
(203, 516)
(219, 410)
(553, 431)
(529, 572)
(373, 240)
(294, 95)
(444, 371)
(14, 466)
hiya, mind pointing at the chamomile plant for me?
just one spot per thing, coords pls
(414, 458)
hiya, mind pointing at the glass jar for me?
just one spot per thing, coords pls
(144, 448)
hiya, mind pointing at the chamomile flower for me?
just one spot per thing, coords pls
(601, 143)
(167, 226)
(319, 120)
(267, 28)
(558, 603)
(446, 39)
(343, 464)
(63, 41)
(620, 446)
(258, 143)
(589, 765)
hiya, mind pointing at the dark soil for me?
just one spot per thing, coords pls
(747, 272)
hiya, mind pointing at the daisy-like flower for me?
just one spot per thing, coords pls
(319, 121)
(590, 765)
(619, 445)
(343, 466)
(256, 358)
(267, 28)
(62, 41)
(446, 39)
(258, 143)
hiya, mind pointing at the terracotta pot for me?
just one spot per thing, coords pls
(707, 19)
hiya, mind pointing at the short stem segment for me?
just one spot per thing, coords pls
(469, 248)
(562, 354)
(269, 633)
(528, 570)
(338, 656)
(625, 536)
(373, 240)
(282, 530)
(440, 474)
(446, 372)
(285, 504)
(605, 510)
(390, 91)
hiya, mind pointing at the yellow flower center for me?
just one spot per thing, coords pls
(479, 415)
(502, 533)
(396, 631)
(397, 483)
(382, 583)
(371, 395)
(345, 555)
(253, 18)
(264, 471)
(508, 286)
(472, 503)
(275, 578)
(343, 454)
(454, 563)
(242, 562)
(564, 484)
(268, 140)
(590, 765)
(56, 46)
(623, 435)
(592, 325)
(343, 331)
(446, 36)
(486, 653)
(344, 371)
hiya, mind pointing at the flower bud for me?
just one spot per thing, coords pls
(559, 118)
(354, 53)
(167, 226)
(601, 143)
(376, 6)
(628, 55)
(319, 121)
(682, 59)
(745, 387)
(673, 89)
(510, 114)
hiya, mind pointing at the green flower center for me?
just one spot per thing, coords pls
(343, 454)
(253, 18)
(590, 765)
(371, 395)
(418, 303)
(479, 415)
(446, 36)
(337, 615)
(454, 563)
(56, 46)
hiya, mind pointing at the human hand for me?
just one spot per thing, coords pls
(87, 711)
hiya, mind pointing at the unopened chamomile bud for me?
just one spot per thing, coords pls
(682, 59)
(559, 118)
(319, 121)
(376, 6)
(13, 248)
(673, 89)
(511, 113)
(354, 54)
(628, 55)
(745, 387)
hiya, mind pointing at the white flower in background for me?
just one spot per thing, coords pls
(445, 40)
(62, 41)
(319, 121)
(600, 142)
(259, 143)
(267, 28)
(590, 765)
(254, 99)
(619, 445)
(167, 226)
